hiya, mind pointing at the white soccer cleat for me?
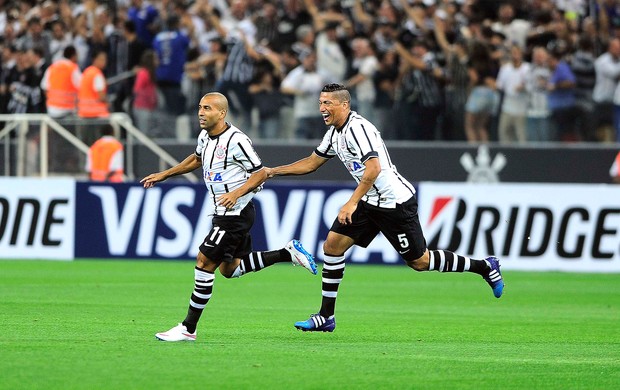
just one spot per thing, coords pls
(178, 333)
(300, 256)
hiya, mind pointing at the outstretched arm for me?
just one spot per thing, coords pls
(190, 163)
(301, 167)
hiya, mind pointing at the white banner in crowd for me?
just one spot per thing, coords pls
(37, 218)
(566, 227)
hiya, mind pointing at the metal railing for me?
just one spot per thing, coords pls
(22, 123)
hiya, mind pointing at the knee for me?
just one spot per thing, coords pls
(225, 272)
(332, 249)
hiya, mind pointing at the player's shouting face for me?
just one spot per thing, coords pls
(333, 110)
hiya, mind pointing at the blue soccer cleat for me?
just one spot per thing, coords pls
(317, 323)
(300, 256)
(494, 277)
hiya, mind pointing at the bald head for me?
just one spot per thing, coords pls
(217, 100)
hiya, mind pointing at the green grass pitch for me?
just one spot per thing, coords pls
(90, 324)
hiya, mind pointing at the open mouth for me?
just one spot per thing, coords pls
(326, 116)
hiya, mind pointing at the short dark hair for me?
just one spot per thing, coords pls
(129, 26)
(341, 92)
(107, 129)
(69, 52)
(333, 87)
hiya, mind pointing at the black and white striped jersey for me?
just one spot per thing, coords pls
(356, 142)
(228, 160)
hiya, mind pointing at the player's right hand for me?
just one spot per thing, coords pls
(150, 180)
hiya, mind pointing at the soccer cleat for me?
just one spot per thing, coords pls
(300, 256)
(317, 323)
(178, 333)
(494, 277)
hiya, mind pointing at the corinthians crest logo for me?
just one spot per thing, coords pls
(220, 151)
(483, 169)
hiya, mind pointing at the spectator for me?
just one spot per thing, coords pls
(607, 68)
(104, 161)
(457, 80)
(145, 94)
(204, 72)
(7, 56)
(171, 48)
(424, 94)
(39, 66)
(305, 84)
(539, 127)
(331, 60)
(582, 65)
(292, 16)
(22, 84)
(92, 96)
(267, 22)
(514, 29)
(511, 81)
(305, 40)
(145, 18)
(561, 97)
(134, 46)
(266, 96)
(239, 34)
(364, 65)
(36, 36)
(482, 100)
(385, 80)
(61, 82)
(60, 38)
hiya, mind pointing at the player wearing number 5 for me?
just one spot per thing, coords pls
(383, 201)
(233, 173)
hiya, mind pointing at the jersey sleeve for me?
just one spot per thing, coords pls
(200, 143)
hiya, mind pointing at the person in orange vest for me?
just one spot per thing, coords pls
(104, 161)
(61, 82)
(614, 171)
(92, 98)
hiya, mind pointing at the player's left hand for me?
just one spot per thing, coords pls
(227, 200)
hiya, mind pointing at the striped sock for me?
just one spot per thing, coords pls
(256, 261)
(203, 287)
(444, 261)
(333, 272)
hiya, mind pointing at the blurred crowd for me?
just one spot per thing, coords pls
(472, 70)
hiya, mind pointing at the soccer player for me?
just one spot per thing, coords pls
(233, 173)
(383, 201)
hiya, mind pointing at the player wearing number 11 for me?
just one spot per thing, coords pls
(233, 173)
(383, 201)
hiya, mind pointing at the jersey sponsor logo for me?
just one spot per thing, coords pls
(212, 176)
(354, 166)
(220, 152)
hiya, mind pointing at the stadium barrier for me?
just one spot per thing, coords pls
(565, 227)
